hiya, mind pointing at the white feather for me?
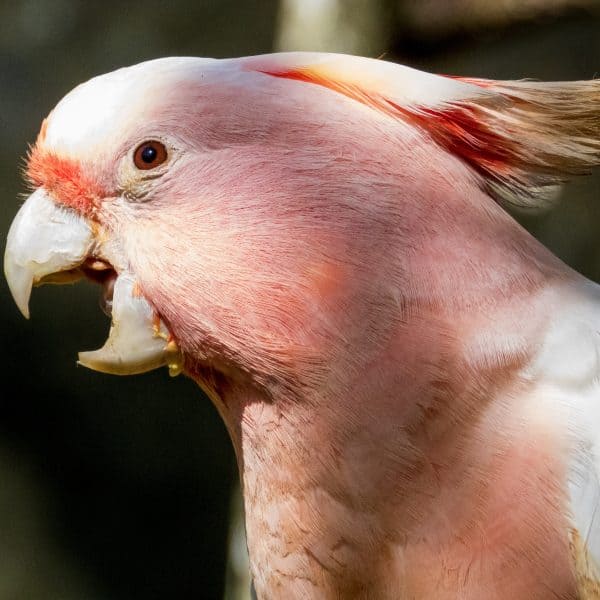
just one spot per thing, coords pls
(87, 117)
(568, 371)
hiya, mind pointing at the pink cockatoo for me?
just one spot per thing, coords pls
(411, 381)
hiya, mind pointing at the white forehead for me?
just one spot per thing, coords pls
(92, 111)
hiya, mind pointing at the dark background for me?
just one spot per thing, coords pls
(119, 488)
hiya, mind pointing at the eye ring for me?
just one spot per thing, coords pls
(149, 154)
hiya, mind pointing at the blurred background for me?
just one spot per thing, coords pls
(122, 488)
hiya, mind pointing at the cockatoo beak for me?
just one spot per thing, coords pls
(43, 239)
(48, 243)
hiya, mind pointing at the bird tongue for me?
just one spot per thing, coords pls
(106, 297)
(48, 243)
(138, 340)
(100, 272)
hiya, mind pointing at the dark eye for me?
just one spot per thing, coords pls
(149, 155)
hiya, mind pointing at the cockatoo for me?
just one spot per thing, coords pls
(411, 381)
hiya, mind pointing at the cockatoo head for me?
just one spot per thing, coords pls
(316, 239)
(265, 218)
(218, 208)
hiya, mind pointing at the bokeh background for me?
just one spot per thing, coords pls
(122, 488)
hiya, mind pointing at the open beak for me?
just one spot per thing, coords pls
(48, 243)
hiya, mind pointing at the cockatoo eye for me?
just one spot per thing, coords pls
(149, 155)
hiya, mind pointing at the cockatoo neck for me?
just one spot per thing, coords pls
(392, 436)
(367, 373)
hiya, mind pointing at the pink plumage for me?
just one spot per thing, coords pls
(326, 249)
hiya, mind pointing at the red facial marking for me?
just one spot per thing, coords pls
(458, 127)
(63, 178)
